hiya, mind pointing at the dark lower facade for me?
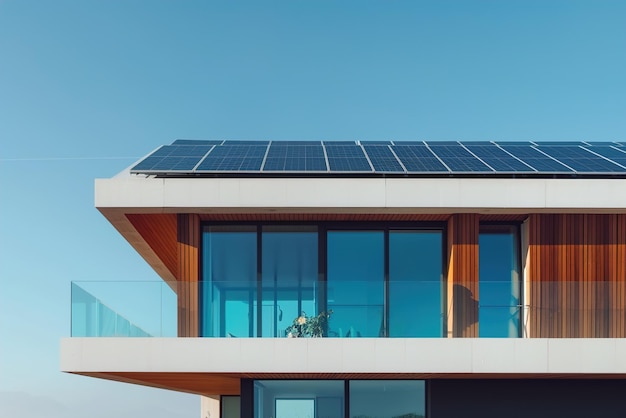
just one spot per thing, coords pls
(436, 398)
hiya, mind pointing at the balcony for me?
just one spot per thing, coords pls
(356, 308)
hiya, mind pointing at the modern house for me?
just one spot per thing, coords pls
(442, 279)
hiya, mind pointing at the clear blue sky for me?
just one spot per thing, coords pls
(87, 88)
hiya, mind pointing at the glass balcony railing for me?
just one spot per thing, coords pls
(123, 309)
(349, 309)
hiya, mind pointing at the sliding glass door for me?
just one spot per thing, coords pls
(289, 278)
(267, 280)
(499, 281)
(415, 284)
(356, 283)
(409, 303)
(229, 281)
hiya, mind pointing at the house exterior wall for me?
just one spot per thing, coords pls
(573, 256)
(576, 275)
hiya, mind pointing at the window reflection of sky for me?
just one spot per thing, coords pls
(499, 291)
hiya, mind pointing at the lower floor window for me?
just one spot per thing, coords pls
(339, 398)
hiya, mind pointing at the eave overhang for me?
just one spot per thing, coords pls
(125, 195)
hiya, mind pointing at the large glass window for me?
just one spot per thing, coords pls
(329, 399)
(355, 275)
(415, 285)
(230, 406)
(290, 269)
(499, 283)
(299, 399)
(387, 398)
(258, 279)
(230, 281)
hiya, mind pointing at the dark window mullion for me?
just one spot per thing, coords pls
(259, 286)
(346, 398)
(386, 286)
(322, 296)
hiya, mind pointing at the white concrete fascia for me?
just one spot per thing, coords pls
(391, 195)
(336, 355)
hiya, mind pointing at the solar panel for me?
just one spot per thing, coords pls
(197, 142)
(580, 159)
(611, 153)
(602, 143)
(173, 158)
(338, 143)
(408, 142)
(347, 158)
(382, 158)
(375, 142)
(185, 156)
(476, 143)
(442, 143)
(418, 159)
(246, 142)
(234, 158)
(497, 158)
(536, 159)
(458, 159)
(291, 157)
(522, 143)
(558, 143)
(297, 142)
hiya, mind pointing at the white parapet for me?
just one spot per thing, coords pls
(336, 355)
(415, 195)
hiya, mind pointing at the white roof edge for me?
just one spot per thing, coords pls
(360, 195)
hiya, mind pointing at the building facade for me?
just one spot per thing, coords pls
(297, 281)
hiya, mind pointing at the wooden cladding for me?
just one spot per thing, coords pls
(188, 241)
(577, 275)
(159, 232)
(463, 275)
(347, 217)
(322, 217)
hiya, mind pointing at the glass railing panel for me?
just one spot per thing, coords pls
(416, 309)
(356, 309)
(123, 309)
(499, 309)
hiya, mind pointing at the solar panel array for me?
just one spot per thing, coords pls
(198, 157)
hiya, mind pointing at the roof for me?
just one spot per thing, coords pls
(265, 158)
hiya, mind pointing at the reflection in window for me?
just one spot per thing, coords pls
(387, 398)
(229, 272)
(415, 286)
(298, 398)
(230, 406)
(499, 284)
(356, 272)
(289, 276)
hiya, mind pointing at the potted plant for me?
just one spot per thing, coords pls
(309, 326)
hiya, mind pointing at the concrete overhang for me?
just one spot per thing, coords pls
(126, 195)
(213, 366)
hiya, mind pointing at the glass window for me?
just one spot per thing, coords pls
(387, 398)
(290, 269)
(230, 407)
(415, 286)
(499, 283)
(298, 399)
(355, 275)
(230, 281)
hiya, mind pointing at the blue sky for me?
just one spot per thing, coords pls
(87, 88)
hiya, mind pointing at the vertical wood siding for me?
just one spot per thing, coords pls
(463, 275)
(577, 275)
(188, 271)
(159, 232)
